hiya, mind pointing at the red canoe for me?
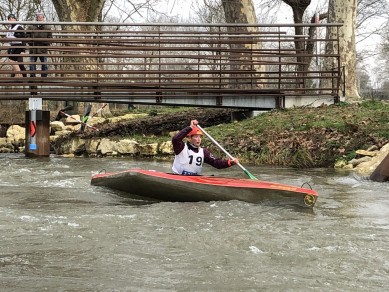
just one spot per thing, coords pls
(171, 187)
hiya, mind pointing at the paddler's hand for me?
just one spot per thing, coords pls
(232, 162)
(193, 123)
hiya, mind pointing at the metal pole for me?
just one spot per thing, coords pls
(34, 105)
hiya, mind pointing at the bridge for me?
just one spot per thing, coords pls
(211, 65)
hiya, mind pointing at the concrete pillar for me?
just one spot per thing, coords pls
(37, 130)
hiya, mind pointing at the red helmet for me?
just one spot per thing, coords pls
(195, 131)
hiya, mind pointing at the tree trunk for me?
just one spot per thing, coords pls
(242, 11)
(298, 8)
(80, 11)
(345, 11)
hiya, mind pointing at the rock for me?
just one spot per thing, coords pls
(5, 146)
(3, 142)
(367, 153)
(16, 133)
(126, 118)
(148, 149)
(106, 146)
(166, 148)
(127, 146)
(348, 167)
(72, 120)
(53, 138)
(70, 146)
(5, 150)
(91, 145)
(62, 133)
(72, 128)
(340, 163)
(97, 120)
(367, 168)
(381, 173)
(354, 162)
(373, 148)
(57, 126)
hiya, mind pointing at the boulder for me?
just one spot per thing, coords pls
(97, 120)
(3, 142)
(367, 153)
(5, 146)
(148, 149)
(57, 126)
(127, 146)
(91, 145)
(166, 148)
(381, 173)
(70, 146)
(6, 150)
(356, 162)
(16, 134)
(72, 128)
(106, 146)
(367, 168)
(61, 133)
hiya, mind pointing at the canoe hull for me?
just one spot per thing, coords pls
(169, 187)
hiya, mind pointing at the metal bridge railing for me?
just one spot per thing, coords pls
(152, 62)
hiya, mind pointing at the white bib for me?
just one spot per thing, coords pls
(188, 162)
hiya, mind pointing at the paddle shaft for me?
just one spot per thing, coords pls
(99, 110)
(225, 151)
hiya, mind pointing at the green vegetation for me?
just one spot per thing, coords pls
(301, 137)
(307, 137)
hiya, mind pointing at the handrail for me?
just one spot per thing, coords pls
(134, 62)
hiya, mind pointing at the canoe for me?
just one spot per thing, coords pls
(151, 184)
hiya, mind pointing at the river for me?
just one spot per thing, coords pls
(59, 233)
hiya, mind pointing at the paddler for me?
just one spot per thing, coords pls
(190, 156)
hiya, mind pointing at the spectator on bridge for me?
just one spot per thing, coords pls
(190, 156)
(39, 34)
(16, 31)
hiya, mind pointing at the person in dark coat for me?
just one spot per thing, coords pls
(39, 39)
(15, 33)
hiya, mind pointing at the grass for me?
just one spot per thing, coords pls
(307, 137)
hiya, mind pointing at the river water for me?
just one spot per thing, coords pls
(59, 233)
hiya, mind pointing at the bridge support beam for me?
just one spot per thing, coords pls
(37, 130)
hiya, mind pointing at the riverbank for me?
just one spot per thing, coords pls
(299, 137)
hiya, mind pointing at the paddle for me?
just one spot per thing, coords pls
(87, 115)
(228, 154)
(60, 115)
(81, 122)
(99, 110)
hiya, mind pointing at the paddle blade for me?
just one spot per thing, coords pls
(249, 174)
